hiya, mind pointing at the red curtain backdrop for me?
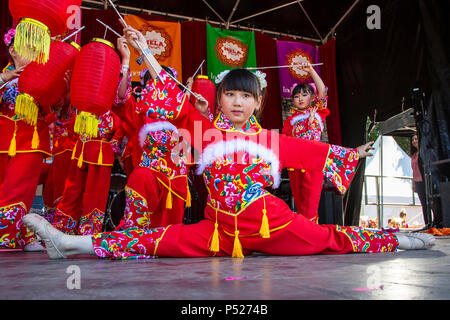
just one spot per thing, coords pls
(327, 53)
(193, 47)
(266, 55)
(5, 25)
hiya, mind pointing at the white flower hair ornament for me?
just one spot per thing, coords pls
(260, 75)
(221, 75)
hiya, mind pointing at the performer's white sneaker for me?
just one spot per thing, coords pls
(415, 241)
(34, 246)
(50, 235)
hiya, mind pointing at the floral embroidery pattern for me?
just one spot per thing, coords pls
(64, 223)
(14, 233)
(251, 127)
(370, 241)
(128, 244)
(160, 153)
(137, 213)
(340, 166)
(91, 223)
(235, 186)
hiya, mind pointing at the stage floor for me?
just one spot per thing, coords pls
(404, 275)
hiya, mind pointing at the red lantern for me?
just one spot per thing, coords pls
(94, 84)
(43, 85)
(205, 87)
(39, 20)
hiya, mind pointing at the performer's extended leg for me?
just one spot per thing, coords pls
(17, 192)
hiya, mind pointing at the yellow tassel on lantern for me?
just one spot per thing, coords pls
(27, 108)
(12, 146)
(215, 239)
(35, 141)
(237, 248)
(86, 123)
(32, 40)
(100, 156)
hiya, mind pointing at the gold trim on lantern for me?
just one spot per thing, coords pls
(109, 44)
(74, 44)
(32, 40)
(27, 108)
(202, 77)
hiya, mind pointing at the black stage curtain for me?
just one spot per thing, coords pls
(377, 68)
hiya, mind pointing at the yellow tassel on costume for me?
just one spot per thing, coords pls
(32, 40)
(80, 158)
(100, 156)
(169, 200)
(73, 152)
(237, 248)
(264, 230)
(35, 141)
(215, 239)
(12, 146)
(188, 198)
(27, 108)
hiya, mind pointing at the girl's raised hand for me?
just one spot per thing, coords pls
(312, 114)
(364, 149)
(135, 39)
(201, 104)
(122, 47)
(306, 66)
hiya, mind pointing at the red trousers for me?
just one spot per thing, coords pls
(82, 206)
(146, 200)
(306, 189)
(55, 182)
(297, 236)
(19, 178)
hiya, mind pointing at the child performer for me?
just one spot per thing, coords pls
(20, 160)
(81, 209)
(64, 141)
(157, 190)
(241, 216)
(306, 122)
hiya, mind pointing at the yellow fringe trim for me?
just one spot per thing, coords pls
(27, 108)
(32, 40)
(87, 123)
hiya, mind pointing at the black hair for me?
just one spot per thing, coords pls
(413, 149)
(303, 88)
(241, 80)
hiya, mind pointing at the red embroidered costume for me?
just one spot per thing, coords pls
(157, 190)
(306, 185)
(241, 217)
(81, 209)
(22, 150)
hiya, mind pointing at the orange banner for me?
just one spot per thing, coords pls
(164, 40)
